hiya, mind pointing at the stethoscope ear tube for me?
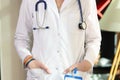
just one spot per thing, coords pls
(47, 27)
(37, 15)
(40, 1)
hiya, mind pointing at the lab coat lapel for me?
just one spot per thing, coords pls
(52, 5)
(66, 3)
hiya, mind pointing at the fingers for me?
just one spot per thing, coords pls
(70, 69)
(82, 66)
(45, 68)
(37, 64)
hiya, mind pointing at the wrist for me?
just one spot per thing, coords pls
(26, 65)
(27, 60)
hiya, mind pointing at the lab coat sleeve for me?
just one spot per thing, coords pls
(24, 35)
(93, 34)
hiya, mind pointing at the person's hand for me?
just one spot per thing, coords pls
(82, 66)
(36, 64)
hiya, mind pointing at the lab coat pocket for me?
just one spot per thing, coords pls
(34, 74)
(56, 74)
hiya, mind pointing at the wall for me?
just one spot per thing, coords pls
(11, 67)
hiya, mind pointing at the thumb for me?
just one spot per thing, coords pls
(45, 68)
(70, 69)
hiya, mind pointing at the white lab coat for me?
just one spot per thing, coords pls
(63, 44)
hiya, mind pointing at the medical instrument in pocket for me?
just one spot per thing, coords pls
(72, 76)
(81, 25)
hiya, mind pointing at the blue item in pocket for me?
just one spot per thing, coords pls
(72, 76)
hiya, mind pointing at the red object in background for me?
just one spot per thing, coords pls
(101, 5)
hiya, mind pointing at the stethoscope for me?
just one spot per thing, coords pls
(82, 24)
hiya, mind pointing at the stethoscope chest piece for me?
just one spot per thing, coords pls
(82, 25)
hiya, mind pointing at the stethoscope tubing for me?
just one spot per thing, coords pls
(40, 1)
(81, 11)
(82, 25)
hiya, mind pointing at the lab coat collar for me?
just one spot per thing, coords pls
(66, 3)
(53, 5)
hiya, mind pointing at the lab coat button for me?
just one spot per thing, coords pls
(58, 51)
(58, 34)
(56, 68)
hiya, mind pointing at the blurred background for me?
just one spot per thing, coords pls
(11, 67)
